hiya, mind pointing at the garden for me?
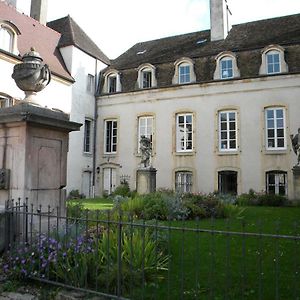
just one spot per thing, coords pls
(166, 245)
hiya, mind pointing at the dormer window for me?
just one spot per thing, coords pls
(112, 83)
(272, 61)
(146, 76)
(8, 37)
(226, 66)
(184, 71)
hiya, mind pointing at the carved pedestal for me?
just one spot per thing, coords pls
(33, 155)
(296, 175)
(146, 180)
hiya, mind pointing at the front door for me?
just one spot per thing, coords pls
(86, 184)
(109, 180)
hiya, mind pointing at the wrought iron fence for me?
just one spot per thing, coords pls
(116, 256)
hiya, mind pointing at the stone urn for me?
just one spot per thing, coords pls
(31, 76)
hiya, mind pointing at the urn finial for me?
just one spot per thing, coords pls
(31, 76)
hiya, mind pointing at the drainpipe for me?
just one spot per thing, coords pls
(95, 130)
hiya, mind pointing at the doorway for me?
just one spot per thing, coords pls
(109, 180)
(227, 182)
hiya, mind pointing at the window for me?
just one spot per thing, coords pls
(275, 128)
(273, 62)
(6, 39)
(276, 183)
(146, 79)
(184, 132)
(87, 136)
(226, 66)
(90, 83)
(183, 182)
(146, 76)
(145, 128)
(112, 84)
(227, 182)
(227, 131)
(184, 73)
(110, 136)
(5, 102)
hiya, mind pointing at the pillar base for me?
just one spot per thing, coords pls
(146, 180)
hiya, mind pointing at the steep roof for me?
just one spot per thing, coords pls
(34, 34)
(247, 36)
(72, 34)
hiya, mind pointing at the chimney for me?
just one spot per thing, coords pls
(38, 10)
(219, 20)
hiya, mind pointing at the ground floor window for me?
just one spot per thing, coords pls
(276, 183)
(227, 182)
(183, 182)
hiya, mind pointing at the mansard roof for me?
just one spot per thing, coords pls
(34, 34)
(72, 34)
(242, 37)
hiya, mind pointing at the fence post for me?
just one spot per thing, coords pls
(119, 288)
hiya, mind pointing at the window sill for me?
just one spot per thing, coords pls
(191, 153)
(222, 153)
(275, 152)
(88, 154)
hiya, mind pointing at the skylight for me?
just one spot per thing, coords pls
(141, 52)
(201, 41)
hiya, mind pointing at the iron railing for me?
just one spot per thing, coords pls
(116, 256)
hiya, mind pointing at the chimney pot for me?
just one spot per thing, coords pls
(38, 10)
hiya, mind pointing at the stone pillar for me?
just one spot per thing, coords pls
(33, 155)
(146, 180)
(296, 175)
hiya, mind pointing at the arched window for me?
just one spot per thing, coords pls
(226, 66)
(184, 71)
(146, 76)
(8, 37)
(276, 182)
(272, 61)
(112, 82)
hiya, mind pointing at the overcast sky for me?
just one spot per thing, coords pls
(116, 25)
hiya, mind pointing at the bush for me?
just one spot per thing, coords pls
(262, 199)
(74, 194)
(73, 260)
(122, 190)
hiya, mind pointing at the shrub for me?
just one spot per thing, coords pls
(75, 209)
(73, 260)
(74, 194)
(122, 190)
(262, 199)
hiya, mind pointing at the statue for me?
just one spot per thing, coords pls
(31, 76)
(296, 144)
(145, 148)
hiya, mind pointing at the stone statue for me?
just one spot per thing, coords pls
(296, 144)
(145, 148)
(31, 76)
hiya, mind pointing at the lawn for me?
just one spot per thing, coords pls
(218, 265)
(94, 203)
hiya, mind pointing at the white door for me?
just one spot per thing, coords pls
(109, 180)
(86, 184)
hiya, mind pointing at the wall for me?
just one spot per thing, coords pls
(83, 105)
(249, 97)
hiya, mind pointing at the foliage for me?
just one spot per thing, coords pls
(122, 190)
(261, 199)
(75, 209)
(73, 259)
(74, 194)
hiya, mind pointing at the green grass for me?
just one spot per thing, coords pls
(220, 266)
(94, 203)
(206, 265)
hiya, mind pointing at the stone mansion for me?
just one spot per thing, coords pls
(218, 105)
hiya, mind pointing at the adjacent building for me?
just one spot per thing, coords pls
(218, 105)
(75, 62)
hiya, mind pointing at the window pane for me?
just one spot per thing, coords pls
(232, 126)
(280, 143)
(232, 144)
(223, 126)
(279, 113)
(270, 114)
(280, 133)
(271, 143)
(270, 123)
(271, 133)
